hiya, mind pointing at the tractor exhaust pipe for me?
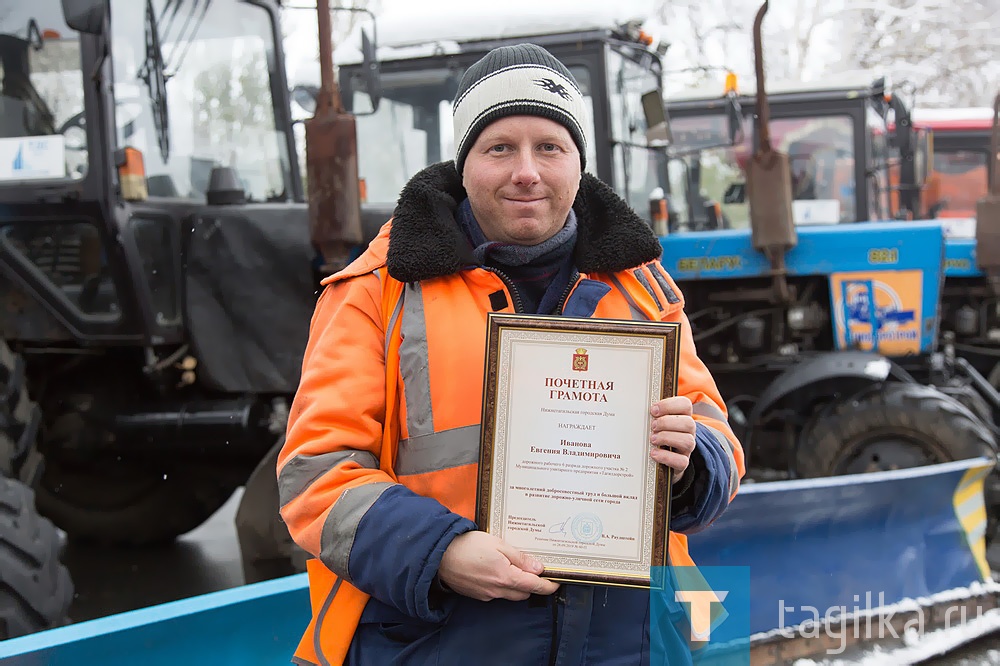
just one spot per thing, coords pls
(332, 162)
(769, 184)
(988, 212)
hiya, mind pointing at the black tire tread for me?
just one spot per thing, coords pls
(955, 431)
(35, 588)
(20, 418)
(176, 505)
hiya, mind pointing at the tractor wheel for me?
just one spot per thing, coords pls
(895, 426)
(35, 588)
(120, 502)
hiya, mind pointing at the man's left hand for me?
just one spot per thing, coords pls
(672, 436)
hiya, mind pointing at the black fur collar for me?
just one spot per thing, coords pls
(426, 242)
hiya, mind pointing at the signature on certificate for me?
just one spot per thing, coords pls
(583, 527)
(559, 528)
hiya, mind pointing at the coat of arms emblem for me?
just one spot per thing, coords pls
(580, 359)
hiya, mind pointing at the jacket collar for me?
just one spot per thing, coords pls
(425, 241)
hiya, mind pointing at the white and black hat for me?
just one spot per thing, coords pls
(523, 79)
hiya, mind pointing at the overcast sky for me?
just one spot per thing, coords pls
(453, 16)
(807, 40)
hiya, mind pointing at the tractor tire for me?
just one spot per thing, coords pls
(894, 426)
(120, 503)
(35, 588)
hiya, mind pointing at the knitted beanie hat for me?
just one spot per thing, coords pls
(524, 79)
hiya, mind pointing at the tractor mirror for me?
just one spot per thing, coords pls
(369, 55)
(657, 122)
(734, 118)
(85, 16)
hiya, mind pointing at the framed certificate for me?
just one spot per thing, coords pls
(564, 468)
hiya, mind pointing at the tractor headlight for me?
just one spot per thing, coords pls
(966, 321)
(804, 317)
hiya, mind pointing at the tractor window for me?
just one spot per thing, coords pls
(636, 168)
(958, 180)
(193, 91)
(821, 155)
(70, 255)
(709, 176)
(412, 127)
(41, 94)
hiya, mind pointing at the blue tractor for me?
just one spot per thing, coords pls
(815, 307)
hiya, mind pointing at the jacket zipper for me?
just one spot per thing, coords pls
(518, 304)
(573, 278)
(554, 642)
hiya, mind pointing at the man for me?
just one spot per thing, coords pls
(377, 476)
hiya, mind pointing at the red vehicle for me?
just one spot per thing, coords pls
(959, 170)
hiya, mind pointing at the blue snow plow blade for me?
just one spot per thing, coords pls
(260, 623)
(817, 547)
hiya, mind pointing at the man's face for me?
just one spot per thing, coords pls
(522, 175)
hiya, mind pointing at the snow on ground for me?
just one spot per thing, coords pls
(918, 648)
(918, 644)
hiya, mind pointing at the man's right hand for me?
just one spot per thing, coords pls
(481, 566)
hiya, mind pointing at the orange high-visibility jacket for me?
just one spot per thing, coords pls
(386, 418)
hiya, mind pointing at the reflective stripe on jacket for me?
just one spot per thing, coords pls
(376, 506)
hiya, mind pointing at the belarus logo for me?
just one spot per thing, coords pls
(580, 360)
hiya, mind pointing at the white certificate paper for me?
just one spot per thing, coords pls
(570, 476)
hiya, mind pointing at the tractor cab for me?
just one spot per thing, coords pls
(616, 64)
(113, 116)
(959, 168)
(835, 136)
(152, 213)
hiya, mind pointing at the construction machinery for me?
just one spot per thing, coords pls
(158, 267)
(958, 193)
(827, 358)
(960, 165)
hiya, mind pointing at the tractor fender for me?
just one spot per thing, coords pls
(822, 375)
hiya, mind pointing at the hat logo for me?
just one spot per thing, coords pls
(552, 87)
